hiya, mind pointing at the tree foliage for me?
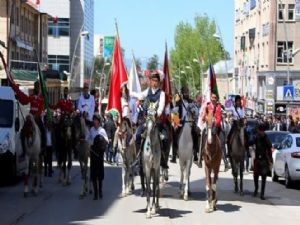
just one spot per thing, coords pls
(101, 70)
(194, 43)
(153, 63)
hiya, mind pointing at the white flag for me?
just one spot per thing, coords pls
(133, 86)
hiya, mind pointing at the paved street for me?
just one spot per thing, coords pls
(57, 205)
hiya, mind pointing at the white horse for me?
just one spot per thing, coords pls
(151, 160)
(185, 151)
(33, 149)
(127, 148)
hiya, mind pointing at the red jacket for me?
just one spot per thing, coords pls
(217, 113)
(36, 101)
(66, 106)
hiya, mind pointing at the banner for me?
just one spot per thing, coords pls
(108, 46)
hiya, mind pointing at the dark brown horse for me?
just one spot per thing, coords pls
(237, 155)
(212, 159)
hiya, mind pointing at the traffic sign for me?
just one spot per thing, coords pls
(288, 92)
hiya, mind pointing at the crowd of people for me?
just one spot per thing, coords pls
(170, 116)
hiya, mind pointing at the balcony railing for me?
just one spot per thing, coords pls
(23, 65)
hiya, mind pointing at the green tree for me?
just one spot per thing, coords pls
(101, 71)
(153, 63)
(194, 43)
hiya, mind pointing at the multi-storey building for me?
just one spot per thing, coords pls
(82, 40)
(266, 39)
(59, 57)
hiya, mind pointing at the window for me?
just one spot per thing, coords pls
(281, 11)
(6, 116)
(282, 56)
(291, 11)
(243, 43)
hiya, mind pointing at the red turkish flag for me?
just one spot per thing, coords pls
(118, 79)
(166, 83)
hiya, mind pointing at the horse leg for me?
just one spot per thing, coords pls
(142, 178)
(148, 192)
(123, 181)
(40, 170)
(208, 190)
(186, 183)
(241, 178)
(157, 192)
(82, 180)
(69, 166)
(154, 176)
(235, 178)
(214, 190)
(181, 180)
(35, 178)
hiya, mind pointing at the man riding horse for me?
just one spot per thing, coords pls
(238, 116)
(86, 104)
(36, 101)
(153, 94)
(215, 106)
(181, 106)
(65, 104)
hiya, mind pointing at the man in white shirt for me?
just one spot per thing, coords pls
(238, 115)
(86, 104)
(153, 93)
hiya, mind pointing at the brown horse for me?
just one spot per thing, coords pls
(212, 160)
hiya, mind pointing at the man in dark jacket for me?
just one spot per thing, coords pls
(263, 159)
(182, 106)
(110, 129)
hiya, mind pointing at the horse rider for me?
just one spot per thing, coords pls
(238, 116)
(36, 101)
(86, 104)
(215, 106)
(153, 94)
(97, 163)
(65, 104)
(181, 107)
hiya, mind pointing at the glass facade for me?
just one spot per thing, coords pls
(59, 28)
(89, 39)
(59, 62)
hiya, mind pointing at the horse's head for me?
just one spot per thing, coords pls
(67, 123)
(79, 127)
(240, 130)
(151, 116)
(124, 132)
(210, 123)
(192, 112)
(29, 129)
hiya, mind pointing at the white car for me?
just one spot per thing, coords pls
(286, 158)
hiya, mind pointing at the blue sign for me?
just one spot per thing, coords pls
(288, 92)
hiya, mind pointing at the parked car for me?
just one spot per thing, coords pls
(276, 137)
(286, 158)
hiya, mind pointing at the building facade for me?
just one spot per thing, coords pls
(98, 45)
(266, 35)
(82, 41)
(59, 57)
(24, 31)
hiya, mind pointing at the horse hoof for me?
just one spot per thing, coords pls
(91, 192)
(241, 193)
(148, 215)
(185, 198)
(25, 194)
(208, 210)
(153, 211)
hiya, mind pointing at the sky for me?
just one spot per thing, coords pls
(145, 25)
